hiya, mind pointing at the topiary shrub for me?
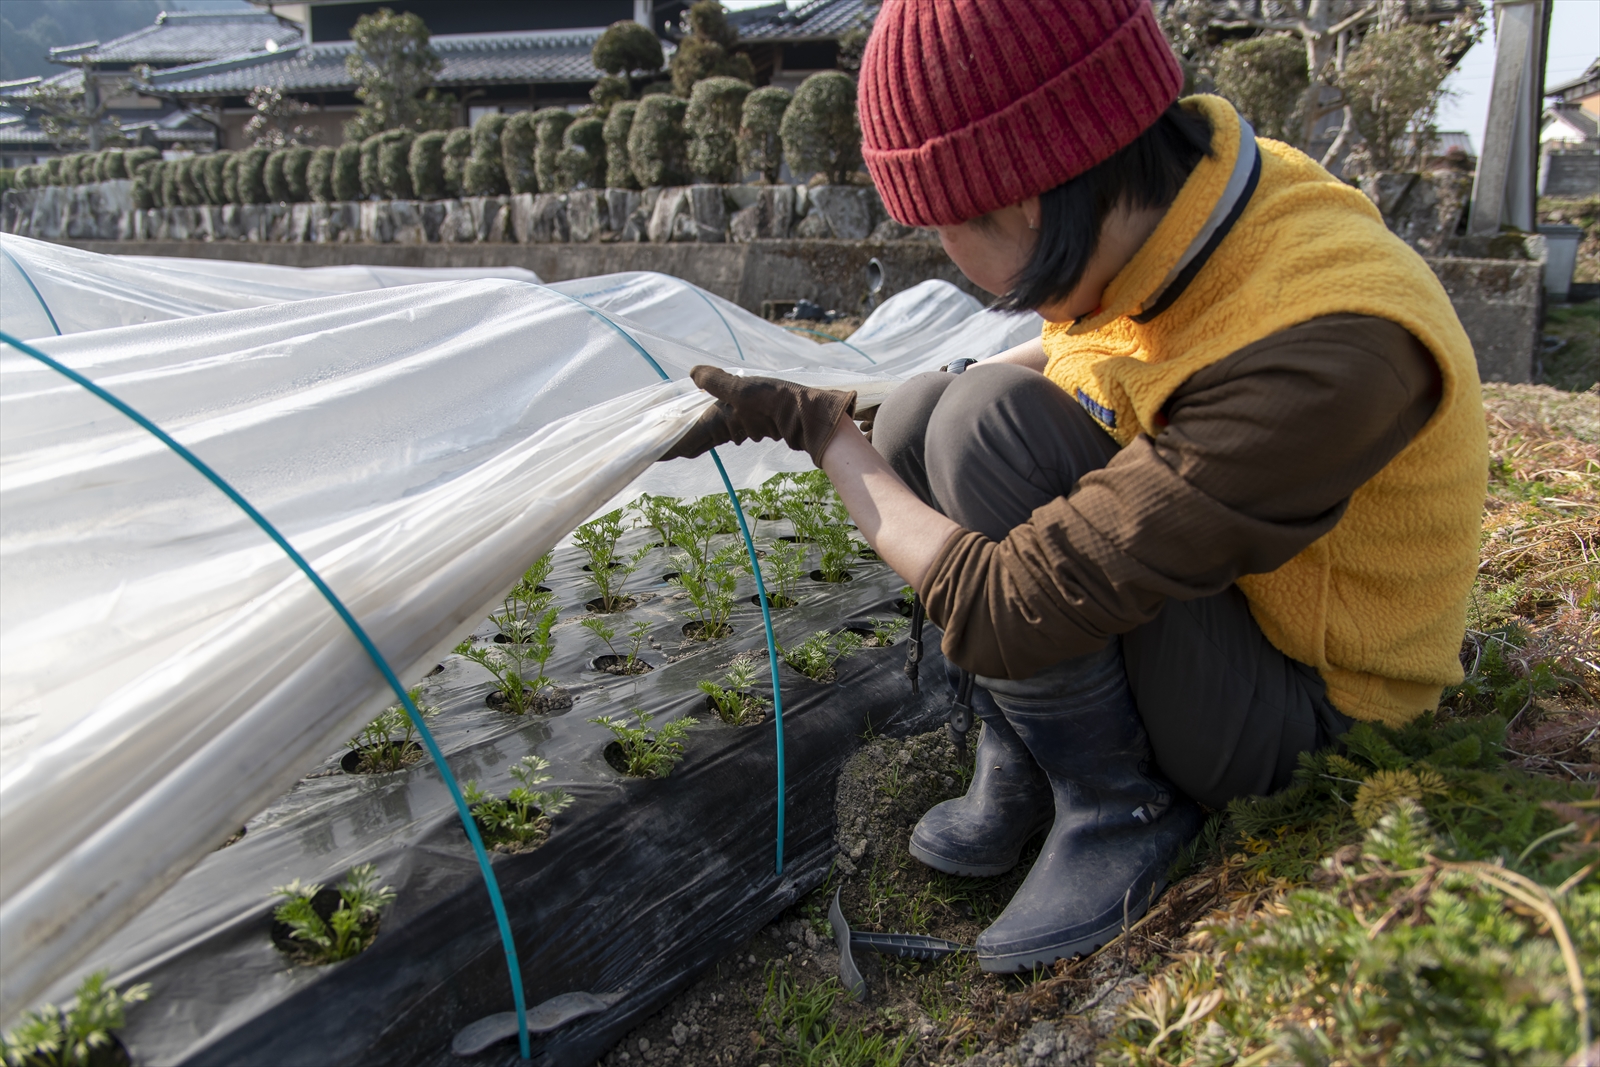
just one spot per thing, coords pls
(760, 123)
(55, 170)
(276, 181)
(23, 178)
(192, 181)
(371, 180)
(347, 171)
(319, 175)
(457, 150)
(113, 165)
(820, 130)
(146, 180)
(619, 174)
(294, 173)
(135, 158)
(581, 163)
(251, 185)
(550, 125)
(657, 144)
(485, 172)
(68, 170)
(215, 171)
(707, 50)
(426, 165)
(394, 165)
(712, 122)
(607, 93)
(626, 47)
(230, 180)
(518, 143)
(171, 195)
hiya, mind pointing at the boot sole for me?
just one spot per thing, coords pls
(968, 870)
(1016, 962)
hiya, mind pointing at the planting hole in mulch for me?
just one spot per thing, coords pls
(869, 555)
(553, 699)
(325, 903)
(495, 840)
(869, 638)
(671, 576)
(796, 540)
(816, 576)
(597, 605)
(617, 759)
(776, 600)
(696, 631)
(361, 760)
(903, 606)
(746, 698)
(438, 668)
(619, 665)
(614, 566)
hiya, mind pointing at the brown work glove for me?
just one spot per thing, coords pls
(751, 409)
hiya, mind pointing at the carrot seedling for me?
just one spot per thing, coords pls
(523, 820)
(647, 754)
(345, 933)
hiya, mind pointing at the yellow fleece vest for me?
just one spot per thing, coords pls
(1378, 604)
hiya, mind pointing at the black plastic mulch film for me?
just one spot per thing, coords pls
(641, 885)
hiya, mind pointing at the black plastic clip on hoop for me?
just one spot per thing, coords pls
(914, 656)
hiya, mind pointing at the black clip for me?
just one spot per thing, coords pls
(961, 714)
(914, 657)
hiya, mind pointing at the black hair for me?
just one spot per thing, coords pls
(1146, 174)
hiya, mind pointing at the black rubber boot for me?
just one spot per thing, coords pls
(982, 834)
(1119, 823)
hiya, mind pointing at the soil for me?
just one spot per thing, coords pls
(776, 601)
(599, 608)
(947, 1011)
(351, 763)
(552, 699)
(619, 665)
(696, 631)
(816, 576)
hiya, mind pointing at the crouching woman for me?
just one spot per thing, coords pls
(1226, 505)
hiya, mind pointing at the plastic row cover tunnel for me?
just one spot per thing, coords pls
(420, 445)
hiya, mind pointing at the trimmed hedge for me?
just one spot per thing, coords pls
(171, 196)
(57, 171)
(485, 172)
(457, 149)
(319, 175)
(820, 130)
(426, 165)
(550, 125)
(251, 186)
(657, 144)
(619, 175)
(712, 122)
(295, 165)
(581, 163)
(347, 171)
(371, 180)
(146, 173)
(230, 180)
(135, 158)
(394, 165)
(760, 143)
(213, 168)
(519, 141)
(274, 179)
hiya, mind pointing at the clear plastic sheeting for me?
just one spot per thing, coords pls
(46, 289)
(167, 671)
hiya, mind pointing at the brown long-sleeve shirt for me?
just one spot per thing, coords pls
(1260, 455)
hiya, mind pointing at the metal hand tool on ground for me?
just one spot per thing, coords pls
(906, 946)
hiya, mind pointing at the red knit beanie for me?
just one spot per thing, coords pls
(970, 105)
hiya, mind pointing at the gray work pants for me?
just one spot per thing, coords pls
(1227, 713)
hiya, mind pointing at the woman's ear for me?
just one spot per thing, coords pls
(1030, 211)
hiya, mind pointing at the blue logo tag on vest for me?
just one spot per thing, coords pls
(1099, 411)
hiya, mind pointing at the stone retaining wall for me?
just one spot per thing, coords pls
(702, 214)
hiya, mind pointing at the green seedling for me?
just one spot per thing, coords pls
(519, 688)
(710, 591)
(646, 754)
(838, 552)
(608, 571)
(736, 705)
(522, 821)
(381, 750)
(665, 515)
(631, 663)
(528, 590)
(887, 631)
(816, 656)
(763, 503)
(782, 568)
(349, 930)
(52, 1037)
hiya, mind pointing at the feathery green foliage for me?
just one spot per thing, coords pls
(709, 584)
(732, 697)
(523, 820)
(760, 126)
(319, 175)
(76, 1037)
(347, 171)
(820, 129)
(389, 741)
(817, 656)
(712, 122)
(426, 165)
(519, 142)
(549, 124)
(457, 150)
(647, 753)
(608, 570)
(351, 927)
(657, 143)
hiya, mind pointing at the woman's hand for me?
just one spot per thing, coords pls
(751, 409)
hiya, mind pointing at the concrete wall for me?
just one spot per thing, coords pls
(1501, 305)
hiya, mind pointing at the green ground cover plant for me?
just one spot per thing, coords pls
(839, 550)
(628, 663)
(709, 586)
(817, 655)
(783, 567)
(522, 820)
(77, 1035)
(348, 930)
(802, 1015)
(608, 570)
(389, 741)
(647, 753)
(885, 632)
(735, 703)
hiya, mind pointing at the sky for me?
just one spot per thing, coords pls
(1574, 44)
